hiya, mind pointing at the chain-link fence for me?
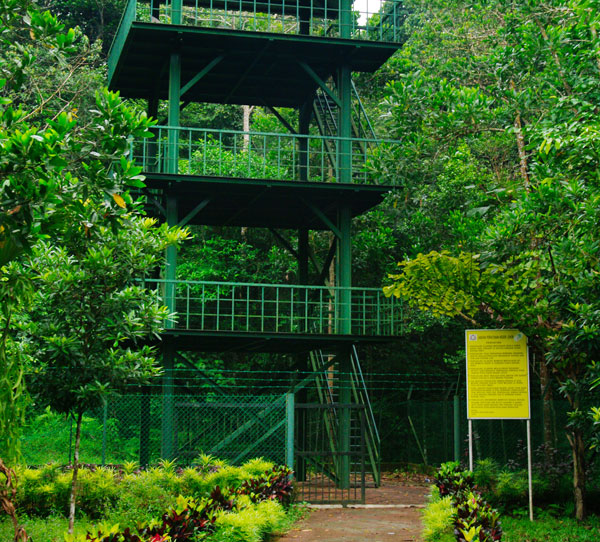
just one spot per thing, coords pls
(131, 428)
(424, 432)
(239, 427)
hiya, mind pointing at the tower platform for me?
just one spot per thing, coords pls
(266, 203)
(236, 66)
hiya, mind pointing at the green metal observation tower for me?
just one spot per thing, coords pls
(296, 54)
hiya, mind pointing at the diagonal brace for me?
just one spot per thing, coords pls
(324, 218)
(193, 212)
(201, 74)
(321, 83)
(281, 119)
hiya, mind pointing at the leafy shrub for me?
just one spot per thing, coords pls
(476, 520)
(250, 524)
(146, 495)
(455, 496)
(512, 488)
(438, 520)
(98, 491)
(46, 490)
(486, 473)
(182, 523)
(257, 466)
(450, 480)
(274, 485)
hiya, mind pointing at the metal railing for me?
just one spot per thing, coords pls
(361, 397)
(279, 308)
(374, 20)
(254, 155)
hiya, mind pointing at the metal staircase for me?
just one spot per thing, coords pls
(325, 111)
(325, 367)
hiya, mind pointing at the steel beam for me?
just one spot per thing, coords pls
(174, 112)
(285, 123)
(337, 232)
(201, 74)
(313, 75)
(192, 214)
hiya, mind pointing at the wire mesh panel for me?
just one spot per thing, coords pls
(130, 428)
(232, 428)
(423, 432)
(330, 454)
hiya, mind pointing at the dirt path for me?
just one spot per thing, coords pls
(393, 513)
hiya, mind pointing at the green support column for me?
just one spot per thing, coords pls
(344, 254)
(174, 112)
(152, 159)
(168, 419)
(345, 398)
(302, 359)
(171, 263)
(289, 439)
(304, 116)
(176, 11)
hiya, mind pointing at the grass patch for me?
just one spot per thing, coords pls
(54, 527)
(50, 529)
(550, 529)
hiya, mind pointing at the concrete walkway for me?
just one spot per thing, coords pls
(358, 525)
(392, 515)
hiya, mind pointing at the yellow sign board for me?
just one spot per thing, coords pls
(497, 374)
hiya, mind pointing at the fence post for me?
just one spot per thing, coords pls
(104, 416)
(289, 441)
(456, 428)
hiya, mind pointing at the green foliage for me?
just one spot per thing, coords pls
(524, 95)
(438, 520)
(275, 485)
(486, 473)
(474, 519)
(452, 481)
(98, 20)
(89, 314)
(47, 437)
(250, 524)
(549, 529)
(46, 490)
(215, 157)
(62, 175)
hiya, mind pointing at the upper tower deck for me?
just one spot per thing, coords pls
(269, 52)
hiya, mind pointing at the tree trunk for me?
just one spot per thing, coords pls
(547, 404)
(75, 472)
(247, 112)
(578, 447)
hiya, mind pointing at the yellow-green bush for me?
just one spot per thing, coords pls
(249, 524)
(438, 519)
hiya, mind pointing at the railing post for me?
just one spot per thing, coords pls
(456, 428)
(289, 441)
(176, 11)
(104, 420)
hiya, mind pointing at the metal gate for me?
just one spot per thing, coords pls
(330, 453)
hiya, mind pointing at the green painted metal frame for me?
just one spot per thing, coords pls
(274, 16)
(256, 155)
(281, 308)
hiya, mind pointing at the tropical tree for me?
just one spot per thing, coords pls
(536, 264)
(87, 330)
(63, 175)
